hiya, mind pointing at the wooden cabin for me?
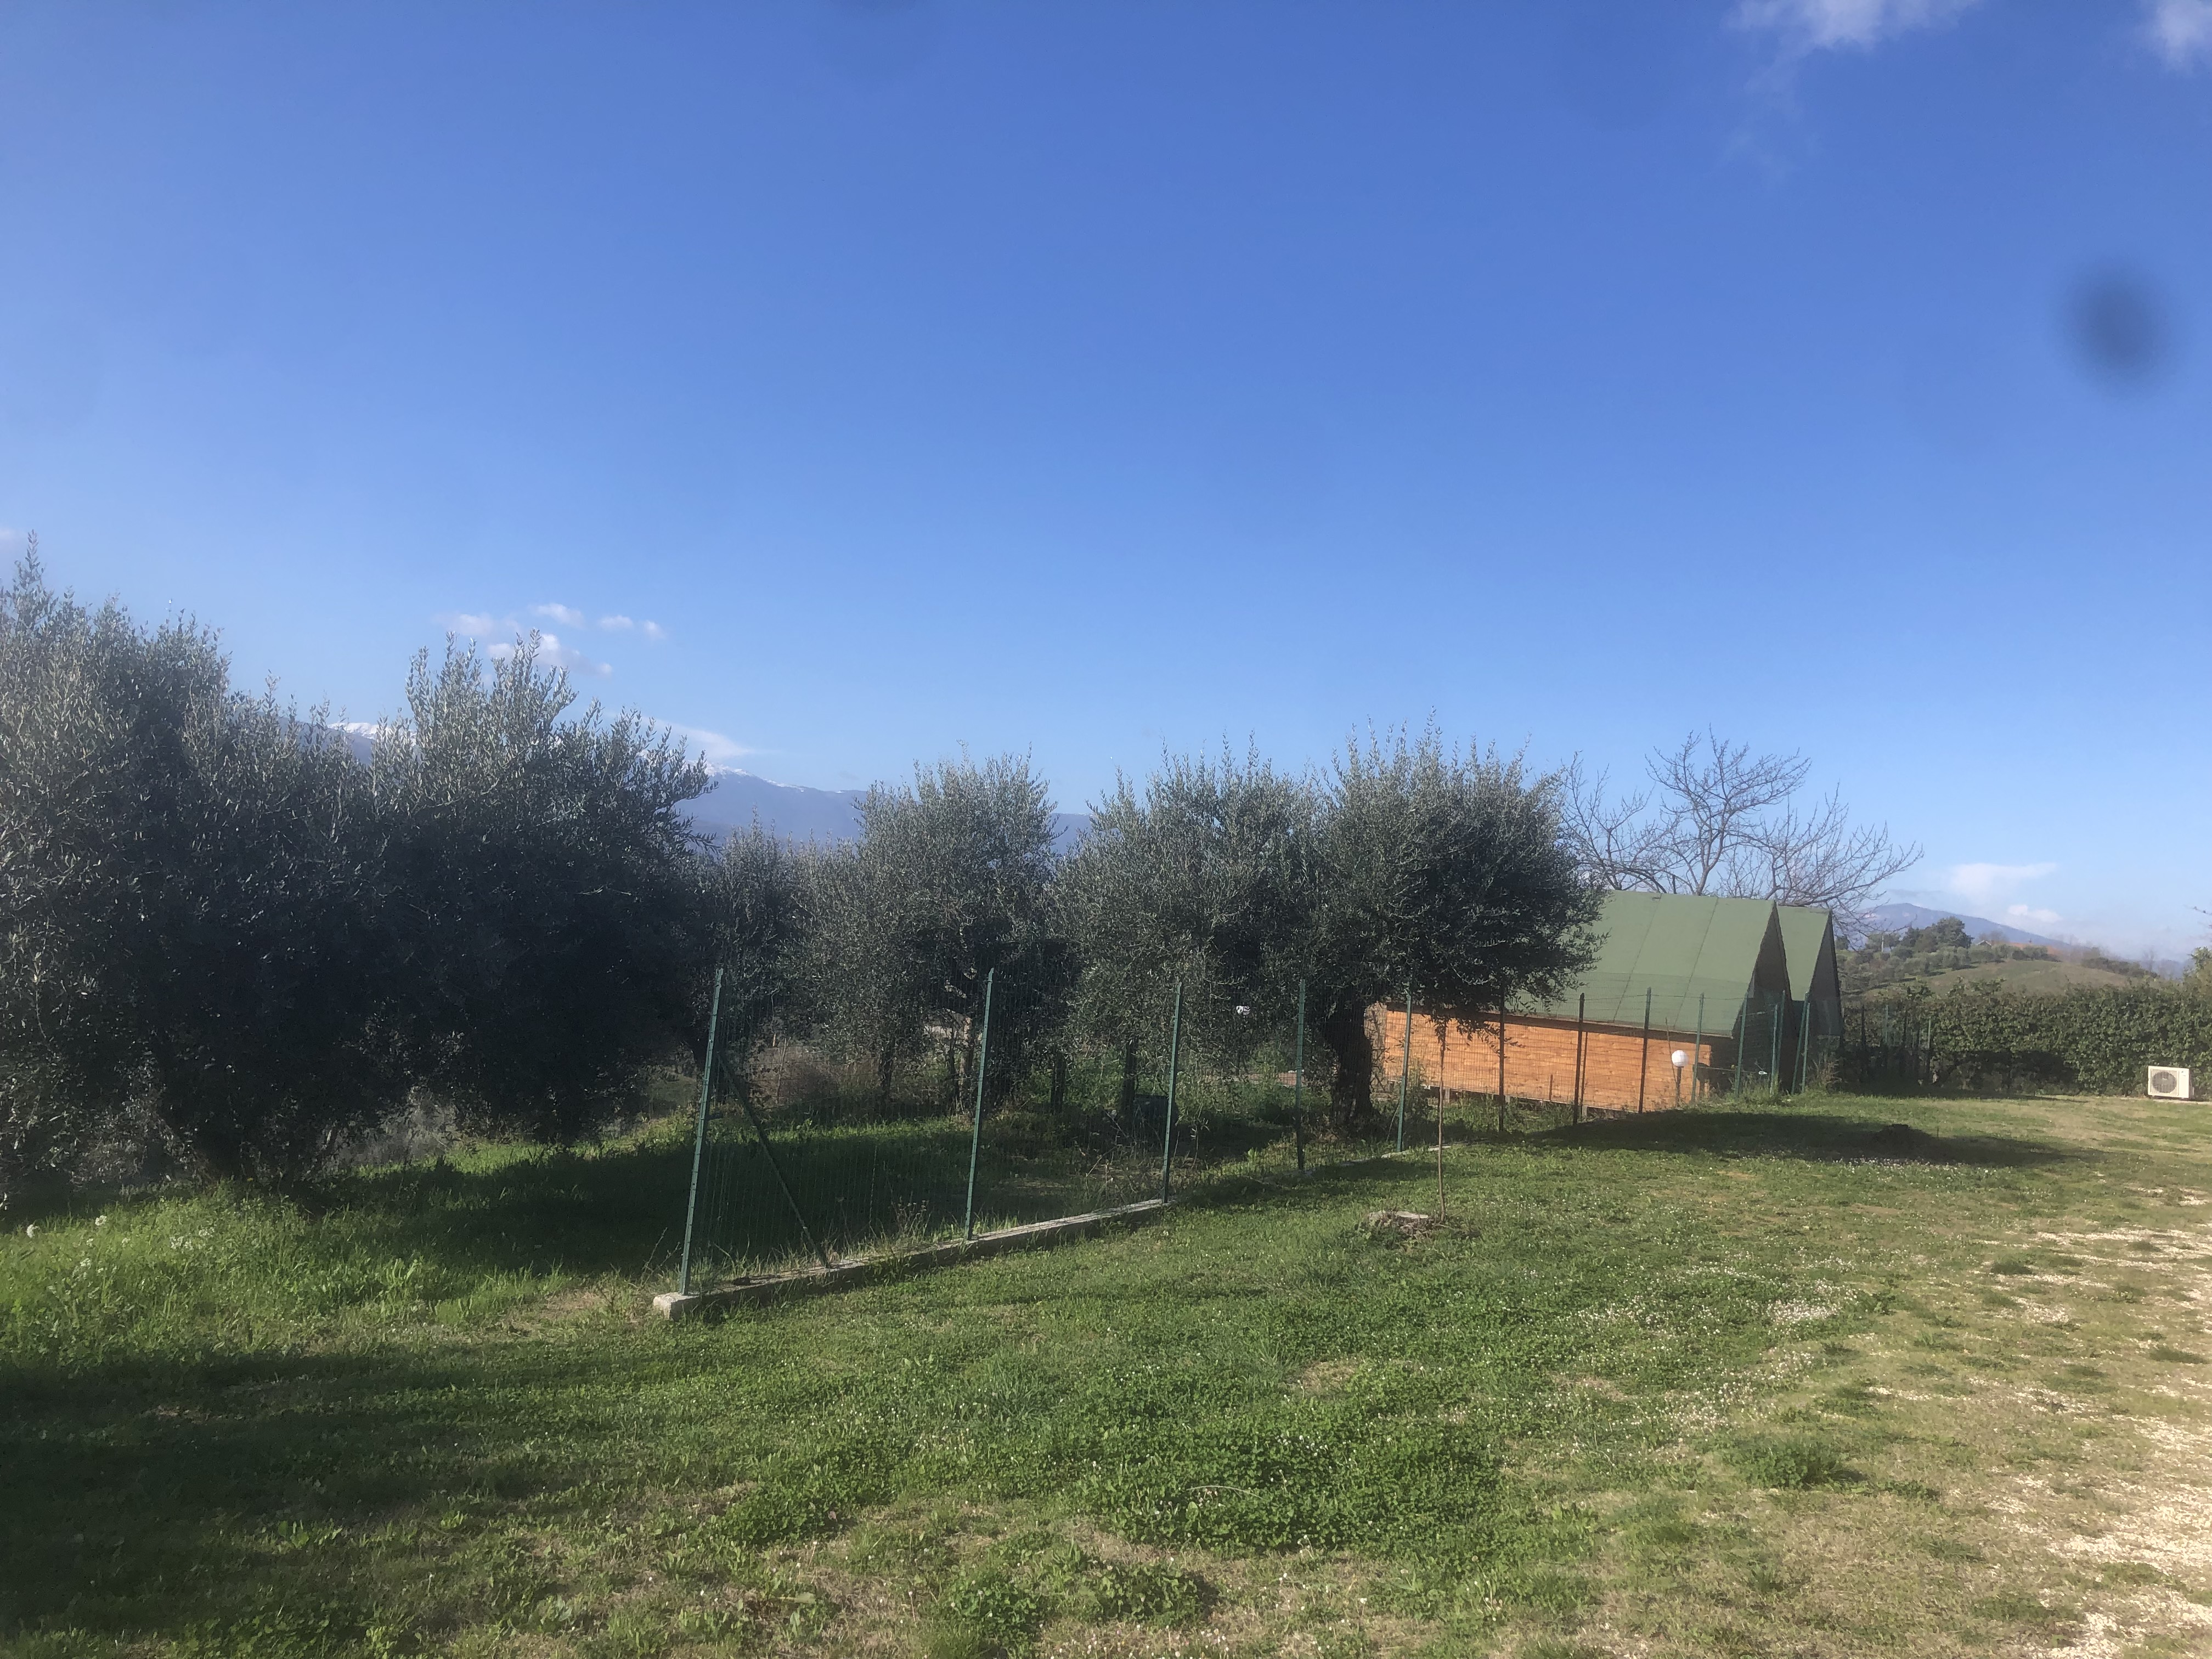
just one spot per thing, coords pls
(1738, 987)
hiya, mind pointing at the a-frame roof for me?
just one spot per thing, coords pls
(1804, 935)
(1690, 952)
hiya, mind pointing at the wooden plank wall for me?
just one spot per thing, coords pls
(1539, 1059)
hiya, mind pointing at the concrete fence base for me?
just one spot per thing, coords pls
(862, 1270)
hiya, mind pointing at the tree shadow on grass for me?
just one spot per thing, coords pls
(456, 1238)
(856, 1189)
(287, 1503)
(610, 1212)
(1824, 1137)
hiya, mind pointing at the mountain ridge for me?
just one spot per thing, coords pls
(737, 799)
(1896, 918)
(798, 812)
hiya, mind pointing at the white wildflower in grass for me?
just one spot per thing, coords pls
(31, 1231)
(99, 1221)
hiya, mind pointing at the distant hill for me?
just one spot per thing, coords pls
(790, 810)
(360, 737)
(1896, 918)
(2053, 975)
(797, 813)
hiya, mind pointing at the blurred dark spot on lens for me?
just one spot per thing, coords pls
(2118, 323)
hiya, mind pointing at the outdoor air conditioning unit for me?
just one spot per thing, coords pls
(2169, 1083)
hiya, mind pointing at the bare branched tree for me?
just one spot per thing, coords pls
(1714, 819)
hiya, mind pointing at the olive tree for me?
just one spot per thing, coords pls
(550, 946)
(753, 905)
(950, 882)
(1442, 871)
(195, 909)
(1204, 878)
(860, 989)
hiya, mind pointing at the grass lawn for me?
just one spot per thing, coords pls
(1743, 1380)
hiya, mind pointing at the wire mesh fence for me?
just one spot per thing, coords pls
(809, 1154)
(1894, 1050)
(806, 1156)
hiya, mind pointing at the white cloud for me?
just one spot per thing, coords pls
(2029, 912)
(719, 750)
(1992, 883)
(1818, 25)
(499, 635)
(615, 622)
(2180, 30)
(550, 649)
(499, 632)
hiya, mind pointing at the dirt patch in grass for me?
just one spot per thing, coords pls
(1326, 1376)
(584, 1299)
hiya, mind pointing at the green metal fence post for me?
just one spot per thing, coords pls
(1774, 1018)
(1406, 1066)
(975, 1130)
(1298, 1081)
(1804, 1041)
(1582, 1033)
(1742, 1037)
(1643, 1054)
(1175, 1057)
(1501, 1065)
(1440, 1134)
(1698, 1052)
(699, 1137)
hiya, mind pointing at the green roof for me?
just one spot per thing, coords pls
(1802, 930)
(1681, 948)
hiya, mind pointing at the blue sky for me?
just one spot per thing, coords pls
(1089, 379)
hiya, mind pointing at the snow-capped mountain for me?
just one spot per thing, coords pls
(797, 813)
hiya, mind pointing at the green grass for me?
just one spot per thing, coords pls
(2028, 975)
(1712, 1383)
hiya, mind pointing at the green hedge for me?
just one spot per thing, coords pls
(2098, 1041)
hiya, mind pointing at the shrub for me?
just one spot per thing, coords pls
(2096, 1039)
